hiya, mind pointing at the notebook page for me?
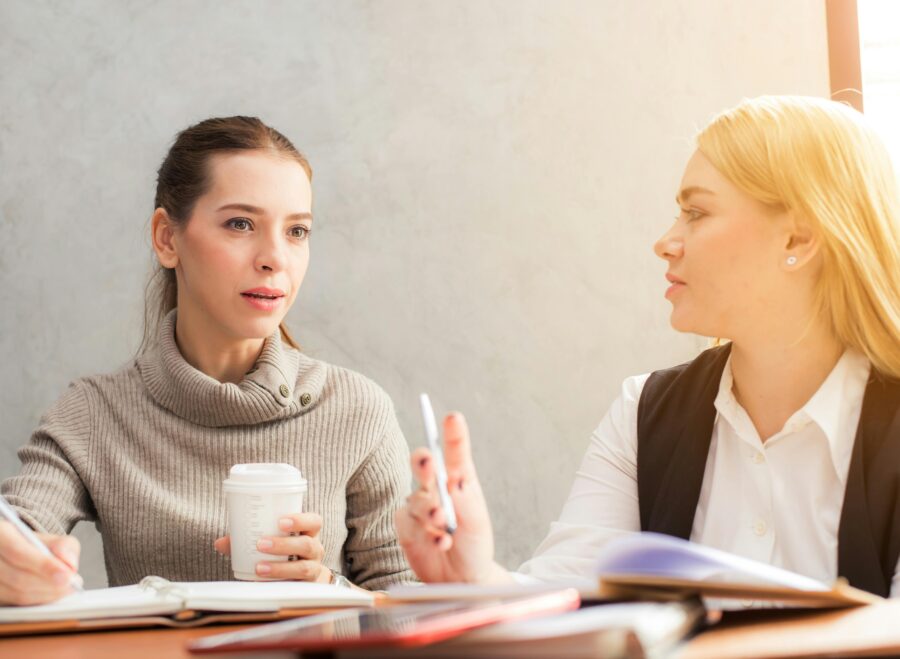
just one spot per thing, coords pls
(267, 595)
(654, 554)
(121, 601)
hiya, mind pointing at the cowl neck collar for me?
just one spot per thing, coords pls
(283, 383)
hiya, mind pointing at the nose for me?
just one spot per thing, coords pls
(270, 253)
(670, 245)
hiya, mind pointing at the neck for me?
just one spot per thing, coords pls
(773, 379)
(208, 349)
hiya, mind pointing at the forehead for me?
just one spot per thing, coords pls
(700, 172)
(259, 178)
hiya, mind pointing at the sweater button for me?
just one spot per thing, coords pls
(305, 399)
(283, 390)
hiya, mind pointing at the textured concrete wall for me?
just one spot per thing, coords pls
(489, 179)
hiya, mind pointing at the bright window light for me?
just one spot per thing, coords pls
(879, 40)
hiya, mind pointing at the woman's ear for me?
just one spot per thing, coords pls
(801, 243)
(162, 232)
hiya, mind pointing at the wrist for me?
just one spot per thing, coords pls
(493, 574)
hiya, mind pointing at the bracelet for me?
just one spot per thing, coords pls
(338, 579)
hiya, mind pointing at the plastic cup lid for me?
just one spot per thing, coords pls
(265, 474)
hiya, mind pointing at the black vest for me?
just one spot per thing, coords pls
(676, 414)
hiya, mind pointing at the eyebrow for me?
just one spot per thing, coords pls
(247, 208)
(685, 193)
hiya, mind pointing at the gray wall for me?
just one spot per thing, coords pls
(489, 179)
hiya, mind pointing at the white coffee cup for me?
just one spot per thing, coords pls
(257, 496)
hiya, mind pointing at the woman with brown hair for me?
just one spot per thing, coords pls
(143, 451)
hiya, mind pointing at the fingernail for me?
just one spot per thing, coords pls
(61, 578)
(285, 523)
(264, 544)
(263, 568)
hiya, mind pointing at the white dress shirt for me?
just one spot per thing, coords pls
(778, 502)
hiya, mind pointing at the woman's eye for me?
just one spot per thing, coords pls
(300, 232)
(239, 224)
(691, 214)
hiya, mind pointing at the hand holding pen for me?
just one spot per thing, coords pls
(450, 541)
(34, 568)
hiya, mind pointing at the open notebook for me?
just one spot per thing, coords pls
(655, 566)
(157, 601)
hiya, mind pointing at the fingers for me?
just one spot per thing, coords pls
(304, 546)
(294, 570)
(423, 468)
(457, 447)
(223, 545)
(22, 555)
(424, 507)
(25, 588)
(66, 548)
(416, 538)
(302, 543)
(27, 576)
(304, 523)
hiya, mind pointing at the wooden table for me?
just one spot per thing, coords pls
(155, 643)
(872, 630)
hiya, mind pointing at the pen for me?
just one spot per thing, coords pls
(13, 518)
(440, 469)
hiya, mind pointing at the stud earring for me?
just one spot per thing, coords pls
(792, 260)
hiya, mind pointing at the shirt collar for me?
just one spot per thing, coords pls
(834, 408)
(837, 404)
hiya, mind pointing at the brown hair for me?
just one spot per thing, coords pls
(183, 178)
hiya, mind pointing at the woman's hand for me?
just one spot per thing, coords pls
(28, 577)
(303, 543)
(434, 554)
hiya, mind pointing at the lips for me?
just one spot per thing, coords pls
(263, 293)
(676, 285)
(267, 300)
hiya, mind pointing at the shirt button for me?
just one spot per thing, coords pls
(283, 390)
(305, 399)
(758, 458)
(760, 527)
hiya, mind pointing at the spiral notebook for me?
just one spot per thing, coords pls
(158, 602)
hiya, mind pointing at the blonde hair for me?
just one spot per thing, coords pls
(819, 159)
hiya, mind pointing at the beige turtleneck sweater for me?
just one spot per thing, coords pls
(143, 453)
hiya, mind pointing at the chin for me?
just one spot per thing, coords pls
(686, 323)
(687, 326)
(257, 329)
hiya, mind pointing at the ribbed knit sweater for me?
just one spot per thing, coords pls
(143, 453)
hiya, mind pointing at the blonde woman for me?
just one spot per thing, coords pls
(783, 443)
(143, 451)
